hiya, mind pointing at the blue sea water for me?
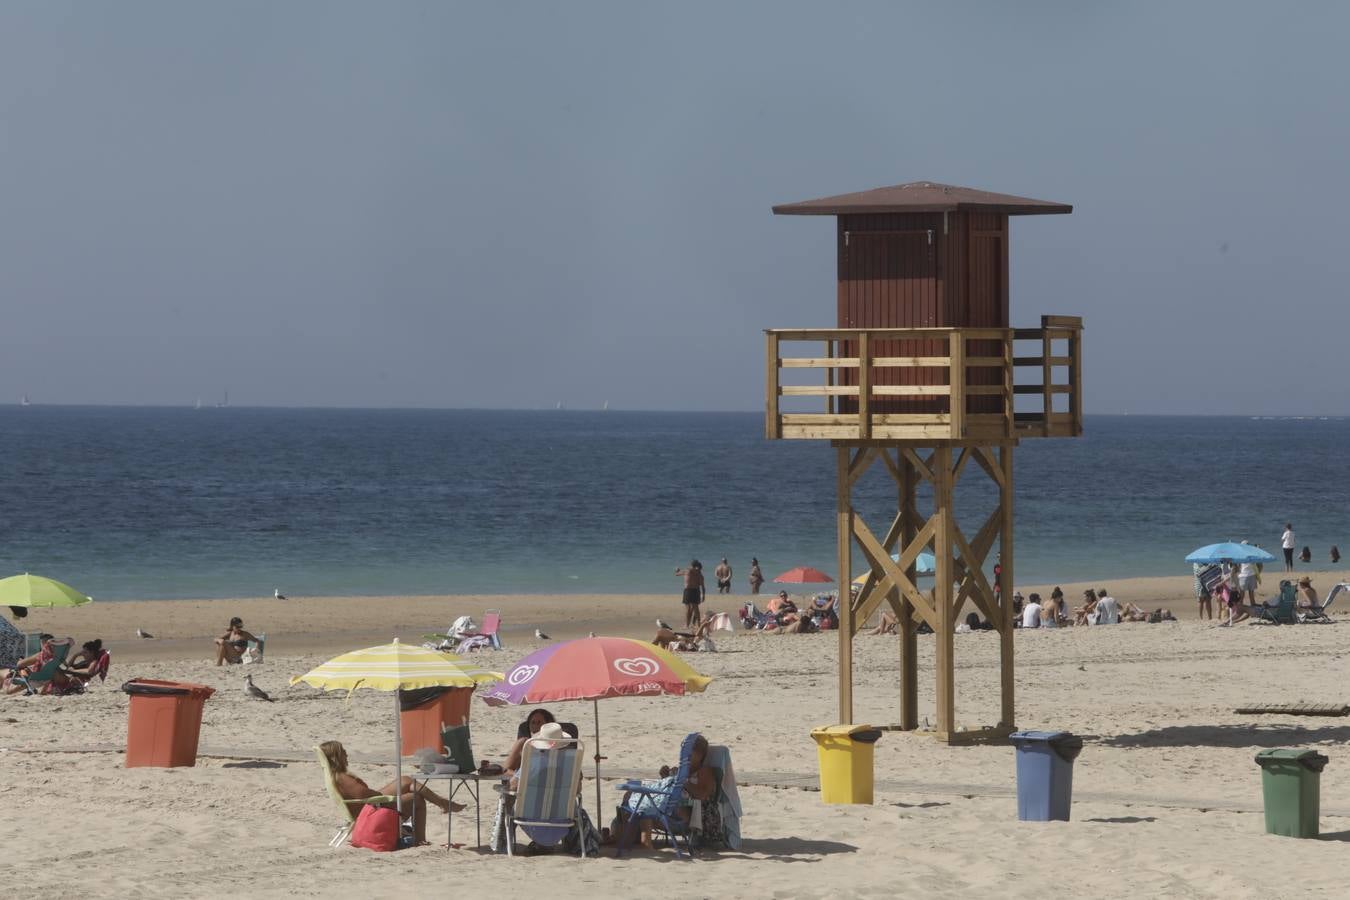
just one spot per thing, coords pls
(160, 502)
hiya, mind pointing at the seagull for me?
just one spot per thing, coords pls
(143, 634)
(592, 634)
(660, 623)
(541, 636)
(276, 592)
(254, 691)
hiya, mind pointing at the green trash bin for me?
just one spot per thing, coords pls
(1291, 785)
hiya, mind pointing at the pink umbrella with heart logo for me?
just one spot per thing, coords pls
(593, 669)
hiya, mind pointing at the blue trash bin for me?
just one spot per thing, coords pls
(1045, 774)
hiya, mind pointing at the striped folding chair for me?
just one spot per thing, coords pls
(547, 804)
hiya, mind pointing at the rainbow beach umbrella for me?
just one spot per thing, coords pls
(593, 669)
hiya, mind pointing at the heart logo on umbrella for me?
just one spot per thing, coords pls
(521, 674)
(639, 667)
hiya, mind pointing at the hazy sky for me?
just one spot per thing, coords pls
(501, 204)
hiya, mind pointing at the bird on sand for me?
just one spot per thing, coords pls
(276, 592)
(141, 633)
(661, 623)
(592, 634)
(541, 636)
(254, 691)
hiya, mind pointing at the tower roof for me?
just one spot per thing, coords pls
(921, 196)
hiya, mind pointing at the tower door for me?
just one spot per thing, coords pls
(889, 279)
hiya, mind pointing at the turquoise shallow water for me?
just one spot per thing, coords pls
(156, 502)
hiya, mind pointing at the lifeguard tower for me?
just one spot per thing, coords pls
(924, 375)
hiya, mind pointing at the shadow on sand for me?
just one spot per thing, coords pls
(1253, 735)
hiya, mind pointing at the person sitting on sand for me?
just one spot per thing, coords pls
(1108, 611)
(410, 794)
(700, 785)
(1087, 613)
(888, 624)
(1018, 602)
(1031, 613)
(231, 645)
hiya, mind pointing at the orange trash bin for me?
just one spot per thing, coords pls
(421, 723)
(163, 722)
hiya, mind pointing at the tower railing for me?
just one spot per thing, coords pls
(899, 384)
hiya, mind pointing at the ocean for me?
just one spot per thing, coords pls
(234, 502)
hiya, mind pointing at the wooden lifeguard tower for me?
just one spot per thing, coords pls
(924, 375)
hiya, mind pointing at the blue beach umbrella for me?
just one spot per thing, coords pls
(924, 564)
(1229, 552)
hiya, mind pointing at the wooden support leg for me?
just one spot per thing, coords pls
(909, 647)
(844, 523)
(944, 668)
(1007, 586)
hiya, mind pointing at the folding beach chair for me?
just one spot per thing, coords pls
(659, 805)
(547, 804)
(728, 797)
(1319, 613)
(1283, 614)
(350, 808)
(39, 681)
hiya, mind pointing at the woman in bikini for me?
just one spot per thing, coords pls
(231, 645)
(411, 795)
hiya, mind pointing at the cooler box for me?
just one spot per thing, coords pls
(423, 713)
(1291, 786)
(1045, 774)
(845, 753)
(163, 722)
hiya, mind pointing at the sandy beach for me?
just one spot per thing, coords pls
(1167, 797)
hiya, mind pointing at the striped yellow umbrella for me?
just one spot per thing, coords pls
(395, 667)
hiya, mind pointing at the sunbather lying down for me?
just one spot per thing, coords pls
(412, 796)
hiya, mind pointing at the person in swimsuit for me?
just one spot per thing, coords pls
(231, 645)
(723, 575)
(27, 666)
(412, 796)
(693, 592)
(756, 576)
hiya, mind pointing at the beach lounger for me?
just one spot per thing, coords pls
(40, 681)
(350, 808)
(659, 805)
(1319, 613)
(547, 804)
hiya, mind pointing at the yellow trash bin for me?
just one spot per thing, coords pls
(845, 753)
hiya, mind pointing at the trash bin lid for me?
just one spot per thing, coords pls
(867, 734)
(1308, 759)
(166, 688)
(1065, 744)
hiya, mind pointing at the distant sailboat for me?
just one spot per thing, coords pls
(605, 408)
(23, 401)
(224, 402)
(559, 406)
(199, 403)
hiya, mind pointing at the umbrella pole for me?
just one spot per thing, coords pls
(398, 759)
(596, 704)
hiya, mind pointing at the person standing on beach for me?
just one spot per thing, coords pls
(693, 592)
(723, 574)
(756, 576)
(1287, 544)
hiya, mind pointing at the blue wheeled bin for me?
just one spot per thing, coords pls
(1045, 774)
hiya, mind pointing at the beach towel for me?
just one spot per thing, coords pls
(476, 642)
(648, 803)
(729, 799)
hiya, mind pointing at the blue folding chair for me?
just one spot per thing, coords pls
(659, 805)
